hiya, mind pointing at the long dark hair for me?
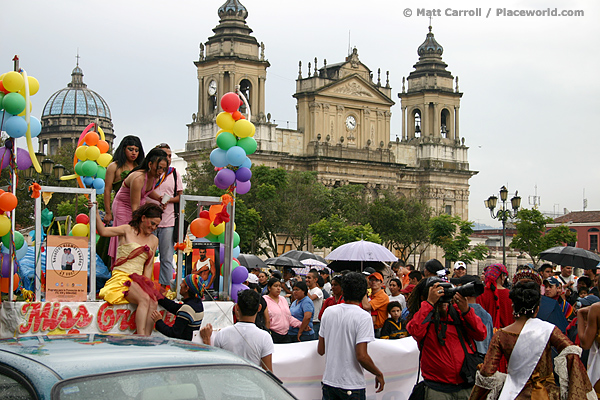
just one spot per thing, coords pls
(155, 156)
(119, 156)
(525, 296)
(148, 210)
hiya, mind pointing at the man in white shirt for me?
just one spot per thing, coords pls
(316, 295)
(346, 329)
(566, 277)
(244, 338)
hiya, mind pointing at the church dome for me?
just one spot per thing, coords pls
(76, 99)
(430, 46)
(233, 8)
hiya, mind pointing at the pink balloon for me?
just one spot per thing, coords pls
(23, 159)
(242, 187)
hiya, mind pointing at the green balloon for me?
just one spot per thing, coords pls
(101, 172)
(221, 238)
(79, 168)
(89, 168)
(248, 144)
(1, 98)
(226, 140)
(19, 240)
(13, 103)
(236, 239)
(211, 237)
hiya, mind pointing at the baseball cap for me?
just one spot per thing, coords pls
(368, 271)
(460, 264)
(377, 276)
(252, 278)
(552, 281)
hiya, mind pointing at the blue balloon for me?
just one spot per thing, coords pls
(35, 126)
(15, 126)
(247, 163)
(21, 252)
(236, 156)
(87, 181)
(236, 251)
(99, 184)
(218, 158)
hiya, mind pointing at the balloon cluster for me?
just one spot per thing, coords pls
(235, 142)
(82, 227)
(8, 202)
(13, 104)
(91, 160)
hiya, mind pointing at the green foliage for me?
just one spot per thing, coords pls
(334, 231)
(530, 237)
(451, 233)
(352, 202)
(72, 208)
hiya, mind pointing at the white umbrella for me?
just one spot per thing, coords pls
(361, 251)
(313, 263)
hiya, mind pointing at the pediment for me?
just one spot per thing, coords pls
(354, 87)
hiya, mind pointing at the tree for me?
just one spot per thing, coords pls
(351, 202)
(452, 234)
(401, 223)
(334, 231)
(532, 238)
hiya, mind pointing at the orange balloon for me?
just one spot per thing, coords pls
(213, 210)
(103, 146)
(200, 227)
(236, 115)
(5, 283)
(91, 138)
(8, 201)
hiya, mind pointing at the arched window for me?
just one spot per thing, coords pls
(246, 89)
(417, 118)
(444, 121)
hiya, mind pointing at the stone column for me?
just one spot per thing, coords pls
(425, 121)
(261, 95)
(436, 132)
(456, 134)
(403, 123)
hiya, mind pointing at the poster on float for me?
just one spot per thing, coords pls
(205, 261)
(66, 268)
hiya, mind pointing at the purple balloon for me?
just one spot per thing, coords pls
(235, 289)
(242, 187)
(23, 159)
(243, 174)
(221, 253)
(6, 265)
(224, 178)
(239, 275)
(5, 156)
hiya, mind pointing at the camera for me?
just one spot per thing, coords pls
(471, 289)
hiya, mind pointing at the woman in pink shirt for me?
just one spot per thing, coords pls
(279, 312)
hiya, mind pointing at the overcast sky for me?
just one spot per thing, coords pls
(530, 83)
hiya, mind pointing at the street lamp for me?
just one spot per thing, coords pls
(503, 214)
(47, 165)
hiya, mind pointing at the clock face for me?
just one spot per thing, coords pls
(350, 122)
(212, 87)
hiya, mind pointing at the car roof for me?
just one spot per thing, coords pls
(71, 356)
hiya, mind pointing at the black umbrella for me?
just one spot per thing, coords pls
(303, 255)
(339, 266)
(282, 261)
(571, 256)
(251, 261)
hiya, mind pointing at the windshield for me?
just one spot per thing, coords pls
(175, 383)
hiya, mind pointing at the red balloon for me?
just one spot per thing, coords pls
(2, 89)
(204, 214)
(82, 219)
(230, 102)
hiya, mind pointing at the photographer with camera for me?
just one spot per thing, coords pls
(445, 333)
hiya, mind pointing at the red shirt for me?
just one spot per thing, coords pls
(501, 311)
(330, 301)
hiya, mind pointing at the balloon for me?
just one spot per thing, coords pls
(224, 178)
(248, 144)
(236, 251)
(4, 225)
(204, 214)
(247, 163)
(13, 81)
(104, 159)
(2, 89)
(242, 187)
(22, 113)
(23, 159)
(236, 156)
(243, 174)
(80, 153)
(101, 173)
(236, 115)
(236, 239)
(87, 181)
(18, 238)
(212, 211)
(80, 230)
(92, 153)
(103, 146)
(79, 168)
(35, 126)
(8, 201)
(224, 121)
(22, 252)
(99, 185)
(34, 85)
(82, 219)
(14, 103)
(235, 289)
(221, 238)
(217, 230)
(5, 264)
(5, 283)
(15, 126)
(218, 158)
(199, 227)
(211, 237)
(91, 138)
(89, 168)
(239, 275)
(226, 140)
(230, 102)
(243, 128)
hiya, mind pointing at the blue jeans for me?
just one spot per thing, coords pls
(333, 393)
(166, 250)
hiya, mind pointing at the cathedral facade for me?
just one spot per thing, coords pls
(343, 114)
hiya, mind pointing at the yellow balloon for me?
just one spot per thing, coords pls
(4, 225)
(80, 230)
(217, 230)
(34, 85)
(81, 152)
(13, 81)
(104, 159)
(243, 128)
(92, 153)
(225, 121)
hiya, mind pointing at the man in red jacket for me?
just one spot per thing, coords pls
(442, 355)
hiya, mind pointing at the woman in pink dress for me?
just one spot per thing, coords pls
(138, 185)
(279, 312)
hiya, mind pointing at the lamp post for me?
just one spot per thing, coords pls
(504, 213)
